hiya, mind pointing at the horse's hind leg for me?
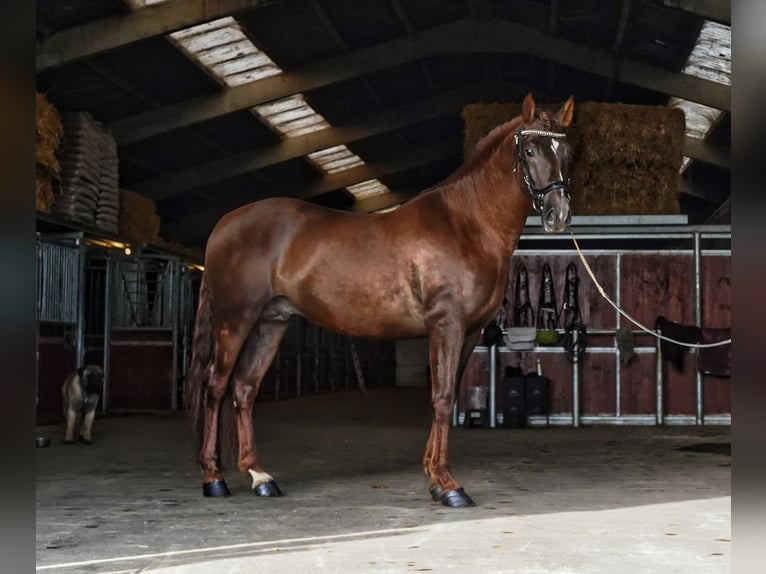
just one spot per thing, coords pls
(230, 340)
(255, 359)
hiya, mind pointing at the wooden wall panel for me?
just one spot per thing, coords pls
(657, 284)
(140, 377)
(594, 309)
(638, 385)
(598, 393)
(55, 361)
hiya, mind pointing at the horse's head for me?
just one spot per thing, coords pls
(544, 157)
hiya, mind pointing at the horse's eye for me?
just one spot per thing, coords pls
(529, 152)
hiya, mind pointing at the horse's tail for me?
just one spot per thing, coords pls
(200, 370)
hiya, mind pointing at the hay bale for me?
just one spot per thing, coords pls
(626, 160)
(480, 119)
(643, 136)
(48, 133)
(43, 189)
(193, 253)
(138, 219)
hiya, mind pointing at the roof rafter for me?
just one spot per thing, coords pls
(442, 104)
(291, 148)
(715, 10)
(466, 36)
(199, 224)
(76, 43)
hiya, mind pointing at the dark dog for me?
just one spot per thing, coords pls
(81, 392)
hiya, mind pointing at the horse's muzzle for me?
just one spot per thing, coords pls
(556, 213)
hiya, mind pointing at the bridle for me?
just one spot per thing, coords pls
(536, 194)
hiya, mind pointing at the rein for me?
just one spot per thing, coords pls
(536, 194)
(631, 319)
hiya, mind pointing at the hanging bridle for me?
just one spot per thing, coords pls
(536, 194)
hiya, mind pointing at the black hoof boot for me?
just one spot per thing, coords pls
(267, 489)
(456, 498)
(215, 488)
(436, 492)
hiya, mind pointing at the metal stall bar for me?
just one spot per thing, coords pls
(618, 301)
(492, 382)
(173, 304)
(107, 332)
(575, 383)
(698, 320)
(658, 380)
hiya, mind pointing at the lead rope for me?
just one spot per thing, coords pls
(628, 317)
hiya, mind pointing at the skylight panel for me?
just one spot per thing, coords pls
(291, 116)
(710, 59)
(138, 4)
(365, 189)
(389, 208)
(335, 159)
(222, 49)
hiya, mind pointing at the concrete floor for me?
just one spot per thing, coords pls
(553, 500)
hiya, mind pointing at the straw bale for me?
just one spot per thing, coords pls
(480, 119)
(137, 218)
(626, 160)
(625, 190)
(48, 133)
(644, 136)
(193, 253)
(43, 189)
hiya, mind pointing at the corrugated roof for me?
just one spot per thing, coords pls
(368, 188)
(222, 49)
(710, 59)
(335, 159)
(291, 116)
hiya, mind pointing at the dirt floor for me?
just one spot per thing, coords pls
(591, 499)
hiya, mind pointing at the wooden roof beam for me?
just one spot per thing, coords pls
(291, 148)
(80, 42)
(465, 36)
(715, 10)
(191, 227)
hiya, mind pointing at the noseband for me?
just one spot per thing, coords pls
(536, 194)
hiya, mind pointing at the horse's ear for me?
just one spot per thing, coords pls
(564, 115)
(528, 109)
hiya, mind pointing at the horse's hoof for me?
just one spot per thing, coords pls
(215, 488)
(436, 492)
(70, 441)
(269, 488)
(86, 441)
(456, 498)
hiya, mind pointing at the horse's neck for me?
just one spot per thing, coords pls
(490, 194)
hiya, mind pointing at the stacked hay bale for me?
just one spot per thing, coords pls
(48, 133)
(89, 177)
(626, 157)
(138, 219)
(480, 119)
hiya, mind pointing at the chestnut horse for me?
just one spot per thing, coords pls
(436, 267)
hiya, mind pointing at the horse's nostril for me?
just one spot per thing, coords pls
(550, 217)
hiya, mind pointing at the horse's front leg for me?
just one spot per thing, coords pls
(449, 350)
(256, 357)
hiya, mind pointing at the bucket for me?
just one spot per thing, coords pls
(476, 398)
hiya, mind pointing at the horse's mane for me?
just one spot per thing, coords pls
(487, 145)
(481, 151)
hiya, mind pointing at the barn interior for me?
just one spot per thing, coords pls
(191, 109)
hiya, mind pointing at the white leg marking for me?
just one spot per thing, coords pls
(259, 478)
